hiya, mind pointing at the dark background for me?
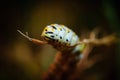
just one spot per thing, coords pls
(23, 60)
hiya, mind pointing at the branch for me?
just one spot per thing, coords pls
(32, 39)
(67, 67)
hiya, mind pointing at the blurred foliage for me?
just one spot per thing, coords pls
(23, 60)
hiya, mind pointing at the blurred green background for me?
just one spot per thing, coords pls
(23, 60)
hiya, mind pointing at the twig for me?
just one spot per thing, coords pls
(108, 40)
(32, 39)
(25, 35)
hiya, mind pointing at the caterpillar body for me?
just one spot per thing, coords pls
(61, 37)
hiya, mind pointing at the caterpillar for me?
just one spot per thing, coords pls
(60, 37)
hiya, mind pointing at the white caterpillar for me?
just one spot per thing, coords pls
(61, 37)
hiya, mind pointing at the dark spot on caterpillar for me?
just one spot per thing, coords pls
(54, 27)
(64, 29)
(48, 37)
(67, 40)
(60, 37)
(53, 40)
(68, 31)
(60, 29)
(52, 36)
(49, 32)
(56, 35)
(57, 40)
(45, 29)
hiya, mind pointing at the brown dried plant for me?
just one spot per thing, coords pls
(68, 66)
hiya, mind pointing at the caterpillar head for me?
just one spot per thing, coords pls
(50, 33)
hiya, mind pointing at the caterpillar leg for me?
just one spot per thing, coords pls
(32, 39)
